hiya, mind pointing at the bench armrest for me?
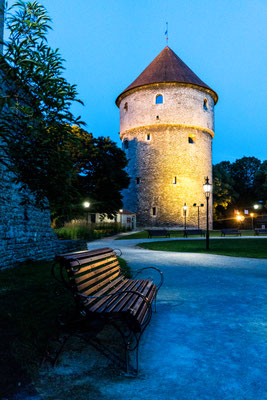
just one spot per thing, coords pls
(138, 271)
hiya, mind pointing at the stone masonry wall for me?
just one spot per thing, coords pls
(25, 231)
(166, 170)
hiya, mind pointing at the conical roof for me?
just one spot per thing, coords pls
(167, 67)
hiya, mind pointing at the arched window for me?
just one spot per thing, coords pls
(205, 104)
(126, 106)
(159, 99)
(125, 144)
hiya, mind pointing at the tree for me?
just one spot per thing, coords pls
(223, 191)
(260, 183)
(35, 102)
(244, 172)
(99, 173)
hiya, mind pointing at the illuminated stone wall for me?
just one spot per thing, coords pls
(166, 170)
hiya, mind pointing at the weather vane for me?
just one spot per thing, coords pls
(166, 33)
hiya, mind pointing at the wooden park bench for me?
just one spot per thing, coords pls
(260, 231)
(103, 296)
(230, 232)
(188, 232)
(158, 232)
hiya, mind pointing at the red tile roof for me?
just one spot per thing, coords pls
(167, 67)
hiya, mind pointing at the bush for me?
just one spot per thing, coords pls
(90, 232)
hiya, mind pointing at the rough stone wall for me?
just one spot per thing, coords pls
(170, 170)
(25, 231)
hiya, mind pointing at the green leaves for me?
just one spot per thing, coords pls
(35, 107)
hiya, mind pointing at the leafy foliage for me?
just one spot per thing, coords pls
(239, 185)
(35, 101)
(41, 141)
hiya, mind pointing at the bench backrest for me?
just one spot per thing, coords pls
(230, 230)
(91, 271)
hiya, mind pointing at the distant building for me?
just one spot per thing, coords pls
(166, 128)
(125, 218)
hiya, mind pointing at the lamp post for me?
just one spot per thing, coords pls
(86, 205)
(195, 205)
(185, 212)
(207, 190)
(252, 222)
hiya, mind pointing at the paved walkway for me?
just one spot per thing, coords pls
(205, 343)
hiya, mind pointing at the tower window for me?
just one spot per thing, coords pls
(148, 137)
(157, 117)
(137, 180)
(205, 104)
(125, 144)
(191, 139)
(154, 211)
(159, 99)
(174, 181)
(126, 106)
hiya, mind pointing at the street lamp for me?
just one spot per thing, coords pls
(195, 205)
(207, 190)
(256, 206)
(86, 205)
(185, 212)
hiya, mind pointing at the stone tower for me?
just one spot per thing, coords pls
(166, 128)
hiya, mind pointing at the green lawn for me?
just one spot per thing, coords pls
(143, 234)
(254, 248)
(29, 308)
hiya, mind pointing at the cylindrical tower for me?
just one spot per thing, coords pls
(166, 128)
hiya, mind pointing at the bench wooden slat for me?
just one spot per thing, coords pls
(94, 270)
(83, 253)
(124, 303)
(85, 262)
(114, 286)
(142, 315)
(109, 273)
(95, 288)
(107, 304)
(134, 304)
(122, 286)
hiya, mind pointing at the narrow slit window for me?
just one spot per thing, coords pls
(174, 181)
(126, 106)
(148, 137)
(154, 211)
(205, 104)
(137, 180)
(159, 99)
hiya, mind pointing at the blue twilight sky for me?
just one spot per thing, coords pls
(108, 43)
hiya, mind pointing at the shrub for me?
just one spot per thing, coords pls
(90, 232)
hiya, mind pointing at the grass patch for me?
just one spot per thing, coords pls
(178, 234)
(29, 308)
(252, 248)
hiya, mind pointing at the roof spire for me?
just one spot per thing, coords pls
(167, 33)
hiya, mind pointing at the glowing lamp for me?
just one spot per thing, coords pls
(207, 187)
